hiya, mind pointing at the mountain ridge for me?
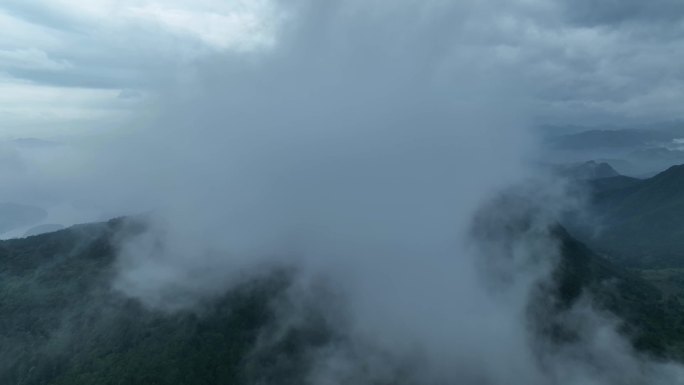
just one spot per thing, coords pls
(639, 222)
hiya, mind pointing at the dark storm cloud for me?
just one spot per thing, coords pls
(612, 62)
(621, 12)
(586, 62)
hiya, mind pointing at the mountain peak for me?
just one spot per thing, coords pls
(674, 170)
(589, 170)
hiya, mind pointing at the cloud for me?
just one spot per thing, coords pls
(67, 47)
(66, 69)
(240, 30)
(618, 13)
(342, 133)
(32, 59)
(358, 149)
(356, 140)
(30, 109)
(586, 63)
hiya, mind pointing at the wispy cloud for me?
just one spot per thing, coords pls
(60, 48)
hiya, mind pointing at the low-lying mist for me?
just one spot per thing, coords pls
(359, 138)
(358, 151)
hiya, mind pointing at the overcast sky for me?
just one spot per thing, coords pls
(70, 66)
(356, 138)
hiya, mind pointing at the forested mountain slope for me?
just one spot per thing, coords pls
(640, 223)
(62, 324)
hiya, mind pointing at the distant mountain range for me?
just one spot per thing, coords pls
(586, 170)
(638, 152)
(42, 229)
(20, 220)
(618, 138)
(13, 216)
(639, 222)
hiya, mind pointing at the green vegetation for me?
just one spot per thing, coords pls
(653, 318)
(640, 222)
(62, 325)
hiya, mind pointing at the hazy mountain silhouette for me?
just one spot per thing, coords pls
(640, 222)
(13, 216)
(62, 324)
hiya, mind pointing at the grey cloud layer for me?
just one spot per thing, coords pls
(617, 13)
(359, 148)
(585, 61)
